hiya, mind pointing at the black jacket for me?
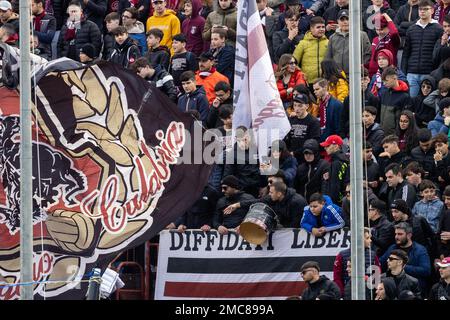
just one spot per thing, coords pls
(213, 120)
(371, 171)
(383, 235)
(321, 286)
(289, 211)
(202, 211)
(422, 112)
(125, 54)
(282, 44)
(245, 167)
(95, 11)
(339, 175)
(440, 291)
(164, 82)
(444, 225)
(160, 55)
(309, 175)
(403, 191)
(234, 219)
(88, 33)
(399, 158)
(406, 16)
(406, 282)
(108, 45)
(375, 135)
(419, 46)
(60, 12)
(425, 159)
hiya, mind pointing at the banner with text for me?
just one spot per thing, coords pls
(207, 265)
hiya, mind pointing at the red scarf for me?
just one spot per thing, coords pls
(37, 21)
(323, 111)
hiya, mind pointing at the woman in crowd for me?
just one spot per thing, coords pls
(337, 80)
(288, 76)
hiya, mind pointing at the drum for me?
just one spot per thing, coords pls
(259, 221)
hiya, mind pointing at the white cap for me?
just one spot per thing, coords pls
(5, 5)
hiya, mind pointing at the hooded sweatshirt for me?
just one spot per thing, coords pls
(168, 23)
(423, 112)
(193, 29)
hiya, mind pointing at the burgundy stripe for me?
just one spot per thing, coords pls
(256, 41)
(233, 290)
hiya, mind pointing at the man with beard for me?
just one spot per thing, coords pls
(207, 75)
(418, 264)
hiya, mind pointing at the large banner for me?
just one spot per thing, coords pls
(207, 265)
(256, 97)
(106, 174)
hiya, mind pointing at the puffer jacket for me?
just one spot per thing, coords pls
(321, 286)
(309, 53)
(340, 89)
(419, 46)
(331, 217)
(297, 78)
(95, 11)
(164, 82)
(222, 17)
(338, 49)
(406, 16)
(383, 235)
(88, 33)
(125, 54)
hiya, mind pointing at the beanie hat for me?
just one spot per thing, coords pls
(401, 205)
(89, 50)
(231, 181)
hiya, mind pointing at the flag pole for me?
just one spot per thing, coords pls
(356, 159)
(26, 214)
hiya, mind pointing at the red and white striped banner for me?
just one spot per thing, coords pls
(199, 265)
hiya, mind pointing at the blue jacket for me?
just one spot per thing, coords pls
(429, 210)
(331, 217)
(225, 61)
(195, 100)
(418, 265)
(289, 167)
(437, 125)
(141, 39)
(332, 126)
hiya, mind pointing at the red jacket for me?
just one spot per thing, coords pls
(298, 77)
(391, 42)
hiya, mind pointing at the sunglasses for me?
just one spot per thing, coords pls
(393, 259)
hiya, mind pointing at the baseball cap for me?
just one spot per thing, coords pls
(206, 56)
(301, 98)
(308, 151)
(444, 263)
(343, 13)
(310, 264)
(5, 5)
(333, 139)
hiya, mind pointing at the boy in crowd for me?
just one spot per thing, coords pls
(157, 54)
(194, 97)
(430, 206)
(157, 75)
(223, 54)
(182, 59)
(112, 21)
(125, 50)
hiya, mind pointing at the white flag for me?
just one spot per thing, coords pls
(257, 101)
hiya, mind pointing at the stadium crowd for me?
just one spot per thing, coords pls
(187, 49)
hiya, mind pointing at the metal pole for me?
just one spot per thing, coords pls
(356, 159)
(26, 216)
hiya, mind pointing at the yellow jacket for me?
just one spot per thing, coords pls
(167, 23)
(309, 53)
(340, 90)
